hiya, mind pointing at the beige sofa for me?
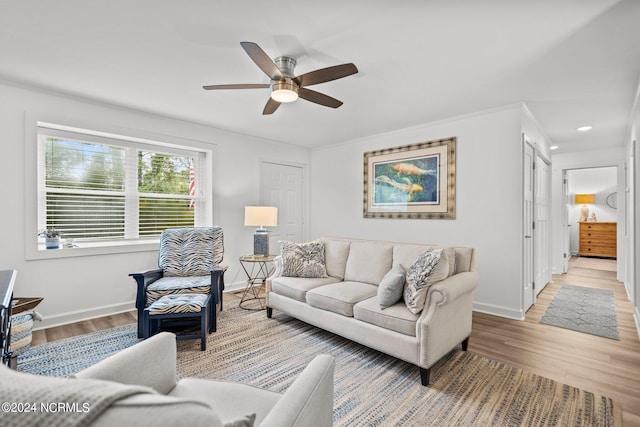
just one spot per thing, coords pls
(138, 387)
(346, 301)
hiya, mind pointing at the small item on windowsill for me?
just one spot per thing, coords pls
(51, 237)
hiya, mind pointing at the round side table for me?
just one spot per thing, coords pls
(257, 268)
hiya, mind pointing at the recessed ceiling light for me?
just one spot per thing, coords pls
(553, 147)
(584, 128)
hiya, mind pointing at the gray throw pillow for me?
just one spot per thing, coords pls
(303, 259)
(417, 282)
(391, 287)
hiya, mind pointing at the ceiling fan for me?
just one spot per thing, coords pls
(286, 86)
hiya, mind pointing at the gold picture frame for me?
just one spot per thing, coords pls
(415, 181)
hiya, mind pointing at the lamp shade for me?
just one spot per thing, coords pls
(585, 199)
(261, 216)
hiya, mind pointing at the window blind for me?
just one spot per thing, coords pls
(93, 187)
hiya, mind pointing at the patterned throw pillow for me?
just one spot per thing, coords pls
(303, 259)
(417, 282)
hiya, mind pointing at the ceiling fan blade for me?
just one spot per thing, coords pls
(262, 60)
(271, 106)
(238, 86)
(326, 74)
(318, 98)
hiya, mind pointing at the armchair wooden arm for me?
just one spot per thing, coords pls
(143, 280)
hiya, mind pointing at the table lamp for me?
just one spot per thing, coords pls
(261, 216)
(584, 200)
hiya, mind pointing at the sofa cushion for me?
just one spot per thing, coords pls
(303, 259)
(422, 273)
(391, 287)
(178, 285)
(340, 297)
(227, 399)
(368, 262)
(335, 256)
(396, 318)
(297, 287)
(158, 410)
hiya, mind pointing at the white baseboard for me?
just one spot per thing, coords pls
(77, 316)
(497, 310)
(235, 286)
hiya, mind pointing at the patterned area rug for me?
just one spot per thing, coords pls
(588, 310)
(371, 388)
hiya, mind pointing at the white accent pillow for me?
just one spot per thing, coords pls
(430, 267)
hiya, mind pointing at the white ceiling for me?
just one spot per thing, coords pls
(573, 62)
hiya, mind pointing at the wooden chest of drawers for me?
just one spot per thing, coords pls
(598, 239)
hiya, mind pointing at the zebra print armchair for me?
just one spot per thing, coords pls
(189, 261)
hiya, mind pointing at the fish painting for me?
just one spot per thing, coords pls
(407, 181)
(411, 169)
(410, 188)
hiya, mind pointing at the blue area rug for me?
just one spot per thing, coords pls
(371, 388)
(588, 310)
(65, 357)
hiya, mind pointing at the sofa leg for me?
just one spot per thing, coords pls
(424, 376)
(269, 312)
(465, 344)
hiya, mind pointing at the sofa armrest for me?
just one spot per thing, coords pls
(151, 363)
(277, 271)
(446, 319)
(309, 400)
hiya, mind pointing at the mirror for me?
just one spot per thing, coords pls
(612, 200)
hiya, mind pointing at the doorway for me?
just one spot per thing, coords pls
(602, 183)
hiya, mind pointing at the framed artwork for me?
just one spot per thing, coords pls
(413, 181)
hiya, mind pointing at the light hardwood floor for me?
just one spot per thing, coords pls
(596, 364)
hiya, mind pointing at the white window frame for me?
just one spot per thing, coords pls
(34, 182)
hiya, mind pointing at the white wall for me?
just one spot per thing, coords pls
(598, 181)
(488, 199)
(632, 153)
(82, 287)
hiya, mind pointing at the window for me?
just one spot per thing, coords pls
(101, 188)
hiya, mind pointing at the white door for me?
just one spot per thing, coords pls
(282, 186)
(541, 232)
(528, 252)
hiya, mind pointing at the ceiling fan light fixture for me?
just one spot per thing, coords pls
(284, 91)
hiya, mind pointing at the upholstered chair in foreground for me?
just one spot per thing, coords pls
(139, 387)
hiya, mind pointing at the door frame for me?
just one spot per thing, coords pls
(533, 263)
(621, 216)
(305, 188)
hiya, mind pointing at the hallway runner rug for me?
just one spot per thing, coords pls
(582, 309)
(371, 388)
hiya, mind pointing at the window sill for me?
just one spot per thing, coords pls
(93, 248)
